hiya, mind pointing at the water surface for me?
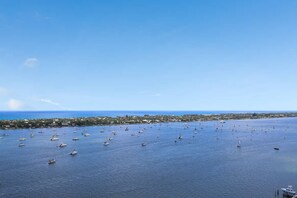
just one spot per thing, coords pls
(205, 163)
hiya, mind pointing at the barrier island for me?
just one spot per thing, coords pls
(126, 120)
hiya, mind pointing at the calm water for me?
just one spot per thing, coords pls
(13, 115)
(206, 165)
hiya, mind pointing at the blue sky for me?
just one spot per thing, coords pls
(148, 55)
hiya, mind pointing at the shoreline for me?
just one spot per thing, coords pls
(127, 120)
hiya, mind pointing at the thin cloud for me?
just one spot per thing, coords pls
(14, 104)
(31, 62)
(49, 101)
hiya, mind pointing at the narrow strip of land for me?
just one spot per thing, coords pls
(146, 119)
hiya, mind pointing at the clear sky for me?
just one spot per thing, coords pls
(148, 55)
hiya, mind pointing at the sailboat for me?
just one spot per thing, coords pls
(180, 137)
(238, 144)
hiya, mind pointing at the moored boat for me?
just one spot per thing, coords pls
(62, 145)
(74, 152)
(51, 161)
(21, 145)
(238, 144)
(289, 191)
(54, 138)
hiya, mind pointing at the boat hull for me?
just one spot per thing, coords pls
(288, 193)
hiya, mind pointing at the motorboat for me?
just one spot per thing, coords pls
(22, 139)
(51, 161)
(86, 134)
(143, 144)
(54, 138)
(21, 145)
(106, 143)
(288, 191)
(62, 145)
(74, 152)
(75, 139)
(276, 148)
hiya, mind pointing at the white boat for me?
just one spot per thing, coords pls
(21, 145)
(62, 145)
(51, 161)
(289, 191)
(74, 152)
(143, 144)
(22, 139)
(75, 139)
(222, 121)
(54, 139)
(86, 134)
(106, 143)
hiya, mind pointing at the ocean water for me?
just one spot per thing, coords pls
(205, 163)
(16, 115)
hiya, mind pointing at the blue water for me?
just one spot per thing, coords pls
(16, 115)
(203, 164)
